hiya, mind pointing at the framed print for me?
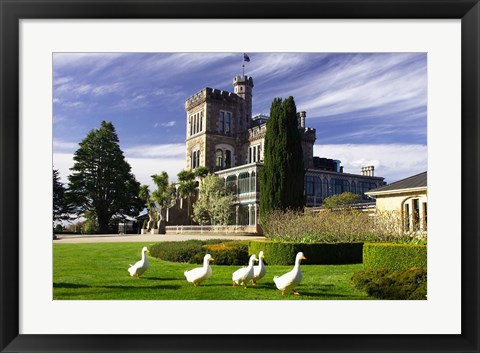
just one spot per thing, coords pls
(38, 35)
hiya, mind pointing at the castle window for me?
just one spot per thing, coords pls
(222, 121)
(219, 159)
(254, 154)
(194, 159)
(191, 125)
(201, 120)
(198, 159)
(228, 159)
(225, 122)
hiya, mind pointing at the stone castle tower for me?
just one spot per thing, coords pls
(222, 134)
(216, 121)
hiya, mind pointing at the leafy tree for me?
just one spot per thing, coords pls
(281, 179)
(215, 201)
(61, 207)
(188, 185)
(341, 201)
(101, 184)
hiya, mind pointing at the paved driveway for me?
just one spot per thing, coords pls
(144, 238)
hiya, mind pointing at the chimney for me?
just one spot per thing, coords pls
(368, 171)
(303, 115)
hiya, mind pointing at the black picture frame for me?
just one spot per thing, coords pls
(11, 11)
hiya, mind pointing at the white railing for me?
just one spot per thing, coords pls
(210, 229)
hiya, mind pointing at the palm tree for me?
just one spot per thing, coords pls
(187, 187)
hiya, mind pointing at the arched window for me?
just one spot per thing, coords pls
(198, 159)
(194, 159)
(228, 159)
(219, 159)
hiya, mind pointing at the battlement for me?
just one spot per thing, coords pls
(243, 79)
(309, 134)
(210, 93)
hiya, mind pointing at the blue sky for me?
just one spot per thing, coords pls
(367, 108)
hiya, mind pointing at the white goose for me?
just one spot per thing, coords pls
(141, 266)
(245, 274)
(259, 270)
(199, 274)
(290, 280)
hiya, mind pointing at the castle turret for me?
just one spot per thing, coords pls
(243, 87)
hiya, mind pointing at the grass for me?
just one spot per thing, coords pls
(99, 272)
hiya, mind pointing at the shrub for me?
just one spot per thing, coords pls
(408, 284)
(193, 251)
(344, 200)
(178, 251)
(283, 253)
(394, 256)
(337, 226)
(229, 253)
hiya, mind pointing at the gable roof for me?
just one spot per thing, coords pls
(418, 181)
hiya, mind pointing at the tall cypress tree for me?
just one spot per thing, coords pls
(281, 179)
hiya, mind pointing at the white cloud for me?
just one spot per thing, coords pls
(63, 162)
(391, 161)
(176, 150)
(144, 168)
(169, 124)
(61, 146)
(145, 161)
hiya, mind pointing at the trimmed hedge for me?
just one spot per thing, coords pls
(231, 253)
(410, 284)
(281, 253)
(192, 251)
(394, 256)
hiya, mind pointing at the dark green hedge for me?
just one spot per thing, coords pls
(410, 284)
(280, 253)
(394, 256)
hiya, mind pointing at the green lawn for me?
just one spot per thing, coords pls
(99, 271)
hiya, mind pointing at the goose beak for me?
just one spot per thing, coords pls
(148, 251)
(304, 258)
(212, 259)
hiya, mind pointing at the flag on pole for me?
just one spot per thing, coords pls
(246, 58)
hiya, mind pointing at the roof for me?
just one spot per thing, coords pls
(418, 181)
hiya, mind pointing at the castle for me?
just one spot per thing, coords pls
(222, 135)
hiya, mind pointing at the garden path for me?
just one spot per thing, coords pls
(142, 238)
